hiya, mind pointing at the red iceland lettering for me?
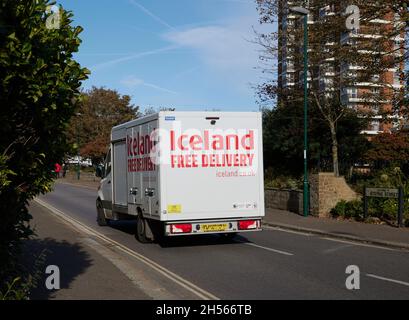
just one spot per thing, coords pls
(209, 141)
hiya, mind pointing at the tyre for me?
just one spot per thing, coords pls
(141, 229)
(101, 220)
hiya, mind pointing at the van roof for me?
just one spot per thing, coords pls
(154, 116)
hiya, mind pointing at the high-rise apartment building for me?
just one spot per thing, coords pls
(374, 95)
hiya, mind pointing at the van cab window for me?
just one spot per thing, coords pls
(108, 163)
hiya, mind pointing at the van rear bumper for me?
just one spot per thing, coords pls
(197, 227)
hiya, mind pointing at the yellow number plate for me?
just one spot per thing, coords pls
(213, 227)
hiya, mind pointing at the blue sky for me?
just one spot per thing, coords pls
(187, 54)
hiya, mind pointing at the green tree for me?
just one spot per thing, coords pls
(39, 87)
(336, 64)
(283, 140)
(100, 110)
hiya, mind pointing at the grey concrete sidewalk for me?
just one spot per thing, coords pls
(84, 273)
(350, 230)
(83, 182)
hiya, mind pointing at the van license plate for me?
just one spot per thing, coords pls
(213, 227)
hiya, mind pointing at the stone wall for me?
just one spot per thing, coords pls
(289, 200)
(326, 191)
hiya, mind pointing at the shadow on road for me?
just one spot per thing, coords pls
(200, 240)
(71, 259)
(129, 227)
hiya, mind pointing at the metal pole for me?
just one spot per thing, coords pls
(306, 193)
(400, 208)
(365, 204)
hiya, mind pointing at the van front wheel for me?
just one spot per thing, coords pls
(101, 220)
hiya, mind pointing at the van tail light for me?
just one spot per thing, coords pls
(181, 228)
(248, 224)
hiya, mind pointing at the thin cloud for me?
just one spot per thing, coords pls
(238, 1)
(133, 82)
(228, 46)
(225, 50)
(151, 14)
(132, 57)
(150, 85)
(224, 47)
(102, 54)
(183, 73)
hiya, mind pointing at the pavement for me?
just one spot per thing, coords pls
(342, 229)
(91, 265)
(86, 180)
(81, 265)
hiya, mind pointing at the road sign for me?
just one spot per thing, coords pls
(382, 193)
(396, 193)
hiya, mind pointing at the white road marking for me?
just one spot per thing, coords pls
(201, 293)
(387, 279)
(354, 243)
(361, 244)
(266, 248)
(287, 231)
(332, 250)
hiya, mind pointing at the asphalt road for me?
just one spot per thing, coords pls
(272, 264)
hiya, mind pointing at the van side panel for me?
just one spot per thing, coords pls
(143, 190)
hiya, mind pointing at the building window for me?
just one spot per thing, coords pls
(375, 90)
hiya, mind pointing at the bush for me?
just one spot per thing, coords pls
(20, 287)
(348, 209)
(39, 90)
(273, 179)
(389, 177)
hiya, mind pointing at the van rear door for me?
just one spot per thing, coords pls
(211, 166)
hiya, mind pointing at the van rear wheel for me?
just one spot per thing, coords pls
(141, 229)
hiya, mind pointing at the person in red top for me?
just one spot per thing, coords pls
(57, 170)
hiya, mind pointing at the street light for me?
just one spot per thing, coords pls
(304, 12)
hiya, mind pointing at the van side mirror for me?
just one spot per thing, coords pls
(99, 171)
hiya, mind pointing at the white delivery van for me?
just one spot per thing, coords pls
(185, 173)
